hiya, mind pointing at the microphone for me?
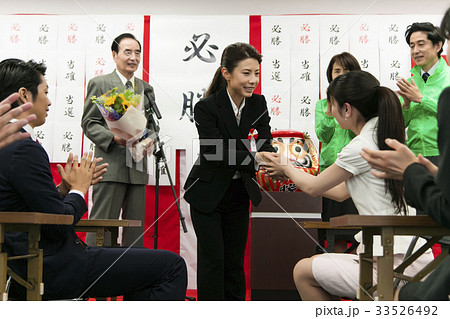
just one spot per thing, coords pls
(152, 110)
(153, 106)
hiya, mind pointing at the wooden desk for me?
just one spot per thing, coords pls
(99, 226)
(331, 232)
(387, 227)
(30, 223)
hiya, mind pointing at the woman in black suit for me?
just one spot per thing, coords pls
(233, 125)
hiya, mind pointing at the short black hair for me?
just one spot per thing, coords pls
(16, 73)
(116, 42)
(433, 33)
(346, 60)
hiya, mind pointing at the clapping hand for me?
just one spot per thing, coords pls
(9, 131)
(409, 91)
(75, 176)
(390, 164)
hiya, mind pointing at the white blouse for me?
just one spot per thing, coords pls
(369, 193)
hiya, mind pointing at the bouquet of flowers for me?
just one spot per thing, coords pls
(123, 115)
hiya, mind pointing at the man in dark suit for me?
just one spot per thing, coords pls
(71, 270)
(427, 188)
(123, 186)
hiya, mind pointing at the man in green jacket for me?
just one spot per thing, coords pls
(420, 93)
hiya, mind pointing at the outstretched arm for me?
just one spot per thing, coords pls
(330, 183)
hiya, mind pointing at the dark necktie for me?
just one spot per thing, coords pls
(128, 85)
(425, 76)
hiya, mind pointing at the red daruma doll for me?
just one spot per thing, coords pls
(300, 150)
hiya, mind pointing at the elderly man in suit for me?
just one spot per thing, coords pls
(123, 186)
(71, 269)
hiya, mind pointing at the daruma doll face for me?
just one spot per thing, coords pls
(295, 149)
(300, 150)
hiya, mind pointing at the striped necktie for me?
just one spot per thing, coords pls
(425, 76)
(129, 85)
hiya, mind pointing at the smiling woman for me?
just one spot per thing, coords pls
(243, 80)
(222, 182)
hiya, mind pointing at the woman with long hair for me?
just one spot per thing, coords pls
(333, 139)
(373, 113)
(233, 125)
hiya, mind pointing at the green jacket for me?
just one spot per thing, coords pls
(421, 118)
(332, 136)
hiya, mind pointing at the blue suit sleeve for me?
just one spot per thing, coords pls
(31, 176)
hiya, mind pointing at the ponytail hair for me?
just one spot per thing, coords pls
(217, 82)
(231, 56)
(363, 91)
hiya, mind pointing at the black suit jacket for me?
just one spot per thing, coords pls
(422, 190)
(432, 195)
(26, 184)
(225, 149)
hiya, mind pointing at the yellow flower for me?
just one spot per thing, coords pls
(116, 104)
(110, 100)
(125, 105)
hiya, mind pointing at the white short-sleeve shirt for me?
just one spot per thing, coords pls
(369, 193)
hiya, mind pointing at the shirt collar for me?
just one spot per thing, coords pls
(237, 111)
(431, 70)
(369, 126)
(124, 79)
(27, 129)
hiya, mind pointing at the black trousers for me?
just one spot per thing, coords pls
(136, 273)
(221, 241)
(435, 287)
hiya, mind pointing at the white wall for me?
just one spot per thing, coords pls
(225, 7)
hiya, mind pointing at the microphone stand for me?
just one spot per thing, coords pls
(160, 157)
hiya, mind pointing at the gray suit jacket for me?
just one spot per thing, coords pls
(121, 168)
